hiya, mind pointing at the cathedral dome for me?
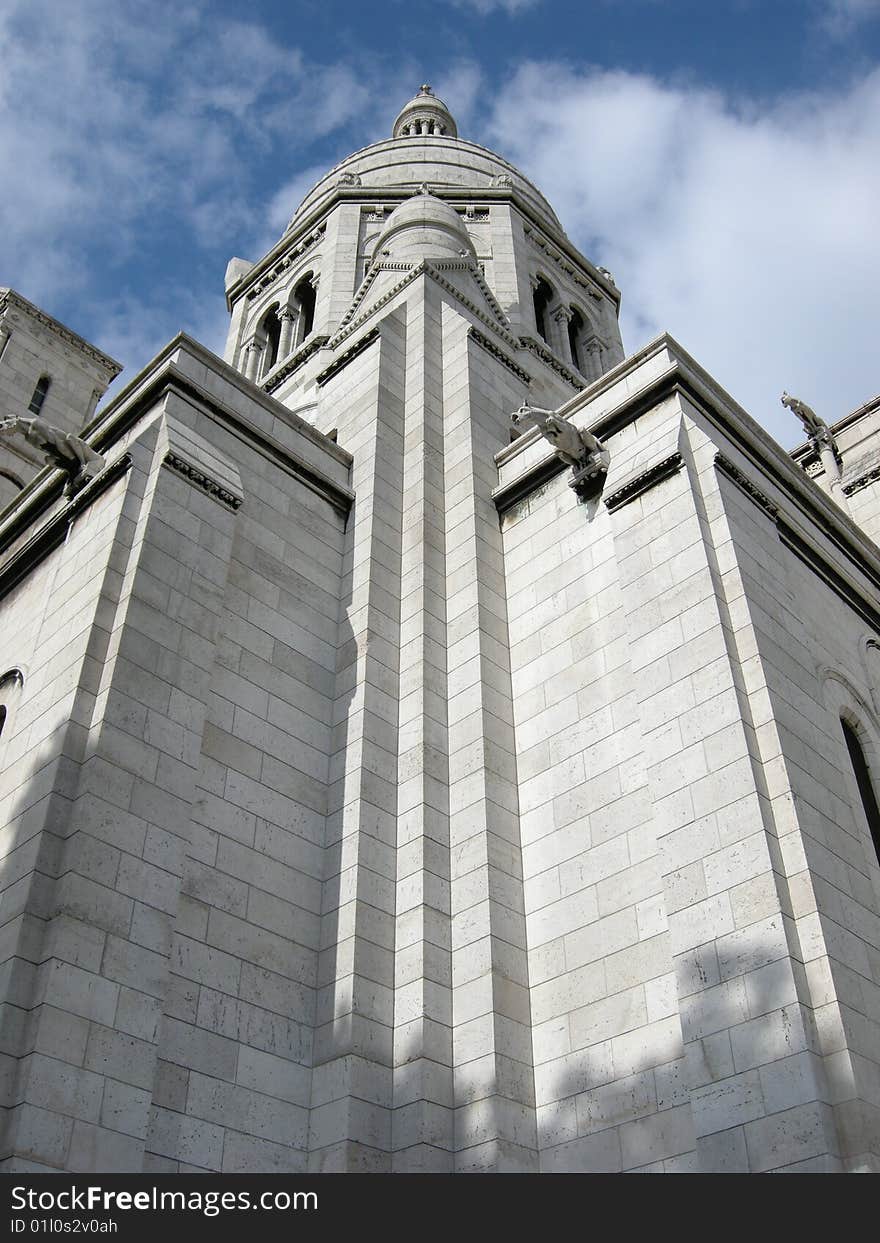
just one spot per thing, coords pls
(414, 156)
(423, 226)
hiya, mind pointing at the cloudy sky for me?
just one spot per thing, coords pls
(721, 158)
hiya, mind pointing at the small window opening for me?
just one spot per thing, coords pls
(40, 391)
(575, 335)
(863, 781)
(542, 297)
(305, 295)
(271, 327)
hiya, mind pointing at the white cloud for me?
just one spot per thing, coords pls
(842, 16)
(485, 7)
(749, 233)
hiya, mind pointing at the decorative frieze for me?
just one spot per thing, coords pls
(309, 347)
(862, 481)
(343, 359)
(491, 348)
(201, 480)
(644, 481)
(745, 485)
(540, 350)
(567, 268)
(292, 257)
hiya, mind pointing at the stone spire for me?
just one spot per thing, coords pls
(425, 114)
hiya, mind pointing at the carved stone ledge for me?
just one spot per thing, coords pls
(203, 481)
(547, 356)
(491, 348)
(343, 359)
(292, 257)
(745, 485)
(862, 481)
(643, 482)
(568, 268)
(309, 347)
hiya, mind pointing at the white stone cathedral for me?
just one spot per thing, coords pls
(390, 785)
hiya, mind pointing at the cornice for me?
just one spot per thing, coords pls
(343, 359)
(268, 278)
(644, 481)
(491, 348)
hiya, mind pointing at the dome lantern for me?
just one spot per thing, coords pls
(425, 116)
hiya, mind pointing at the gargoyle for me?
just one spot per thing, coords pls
(59, 448)
(575, 446)
(817, 429)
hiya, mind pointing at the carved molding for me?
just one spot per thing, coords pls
(348, 325)
(287, 262)
(643, 482)
(569, 269)
(862, 481)
(309, 347)
(346, 356)
(198, 477)
(540, 350)
(491, 348)
(752, 491)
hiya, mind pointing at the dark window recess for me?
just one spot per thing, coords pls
(40, 391)
(575, 332)
(305, 295)
(542, 298)
(863, 780)
(272, 329)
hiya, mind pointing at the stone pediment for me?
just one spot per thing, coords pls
(459, 277)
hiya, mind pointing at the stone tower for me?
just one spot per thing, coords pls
(388, 787)
(45, 370)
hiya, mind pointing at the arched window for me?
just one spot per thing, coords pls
(304, 296)
(575, 336)
(11, 683)
(863, 781)
(542, 297)
(40, 391)
(270, 331)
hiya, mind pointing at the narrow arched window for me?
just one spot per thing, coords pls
(40, 390)
(305, 296)
(542, 298)
(575, 335)
(863, 781)
(11, 683)
(270, 327)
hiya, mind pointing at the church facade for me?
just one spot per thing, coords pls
(388, 786)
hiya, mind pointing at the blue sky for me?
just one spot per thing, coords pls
(721, 158)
